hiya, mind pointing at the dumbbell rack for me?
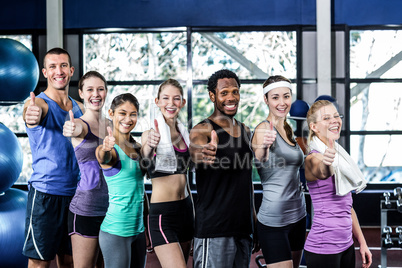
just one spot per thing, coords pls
(384, 220)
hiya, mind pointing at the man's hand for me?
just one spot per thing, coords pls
(209, 149)
(33, 113)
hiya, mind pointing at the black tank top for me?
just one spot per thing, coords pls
(224, 206)
(183, 162)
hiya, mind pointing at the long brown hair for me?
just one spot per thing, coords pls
(286, 126)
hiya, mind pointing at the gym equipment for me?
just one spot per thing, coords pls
(398, 231)
(387, 201)
(398, 195)
(11, 158)
(298, 110)
(19, 71)
(12, 225)
(387, 241)
(388, 205)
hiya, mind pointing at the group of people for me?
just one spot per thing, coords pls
(87, 204)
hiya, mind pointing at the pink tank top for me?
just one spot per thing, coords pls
(331, 231)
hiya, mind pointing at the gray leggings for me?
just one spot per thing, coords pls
(123, 252)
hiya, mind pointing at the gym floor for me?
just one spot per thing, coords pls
(372, 235)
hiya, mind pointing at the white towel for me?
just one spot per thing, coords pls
(165, 156)
(348, 176)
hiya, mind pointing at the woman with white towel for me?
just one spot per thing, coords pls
(165, 147)
(331, 175)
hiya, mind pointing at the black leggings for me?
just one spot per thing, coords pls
(345, 259)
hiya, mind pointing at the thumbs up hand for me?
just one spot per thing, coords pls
(69, 126)
(33, 112)
(329, 154)
(209, 149)
(154, 136)
(269, 136)
(109, 141)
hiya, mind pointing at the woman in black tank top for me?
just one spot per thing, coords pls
(171, 217)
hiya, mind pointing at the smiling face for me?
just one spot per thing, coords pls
(124, 117)
(58, 71)
(93, 93)
(227, 96)
(328, 124)
(170, 101)
(279, 101)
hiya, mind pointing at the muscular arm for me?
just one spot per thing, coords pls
(199, 137)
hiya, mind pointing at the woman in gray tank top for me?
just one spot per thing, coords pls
(282, 216)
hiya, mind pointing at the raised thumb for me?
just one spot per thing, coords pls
(214, 137)
(109, 130)
(71, 115)
(156, 125)
(32, 98)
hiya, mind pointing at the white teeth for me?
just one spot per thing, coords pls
(125, 125)
(230, 106)
(59, 79)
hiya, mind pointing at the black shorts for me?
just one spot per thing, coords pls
(277, 243)
(84, 225)
(46, 226)
(345, 259)
(171, 222)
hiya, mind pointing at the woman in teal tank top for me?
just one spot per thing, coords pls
(122, 235)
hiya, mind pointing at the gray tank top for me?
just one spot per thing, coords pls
(283, 200)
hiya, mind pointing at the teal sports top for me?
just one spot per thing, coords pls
(124, 216)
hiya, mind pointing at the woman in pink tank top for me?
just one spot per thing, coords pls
(330, 241)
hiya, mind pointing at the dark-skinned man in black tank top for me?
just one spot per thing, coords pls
(224, 220)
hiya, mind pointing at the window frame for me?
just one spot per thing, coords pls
(190, 83)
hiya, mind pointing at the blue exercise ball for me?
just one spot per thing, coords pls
(13, 204)
(299, 110)
(328, 98)
(19, 71)
(11, 158)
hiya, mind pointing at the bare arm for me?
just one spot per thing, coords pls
(316, 169)
(264, 137)
(74, 128)
(358, 234)
(150, 140)
(105, 154)
(319, 166)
